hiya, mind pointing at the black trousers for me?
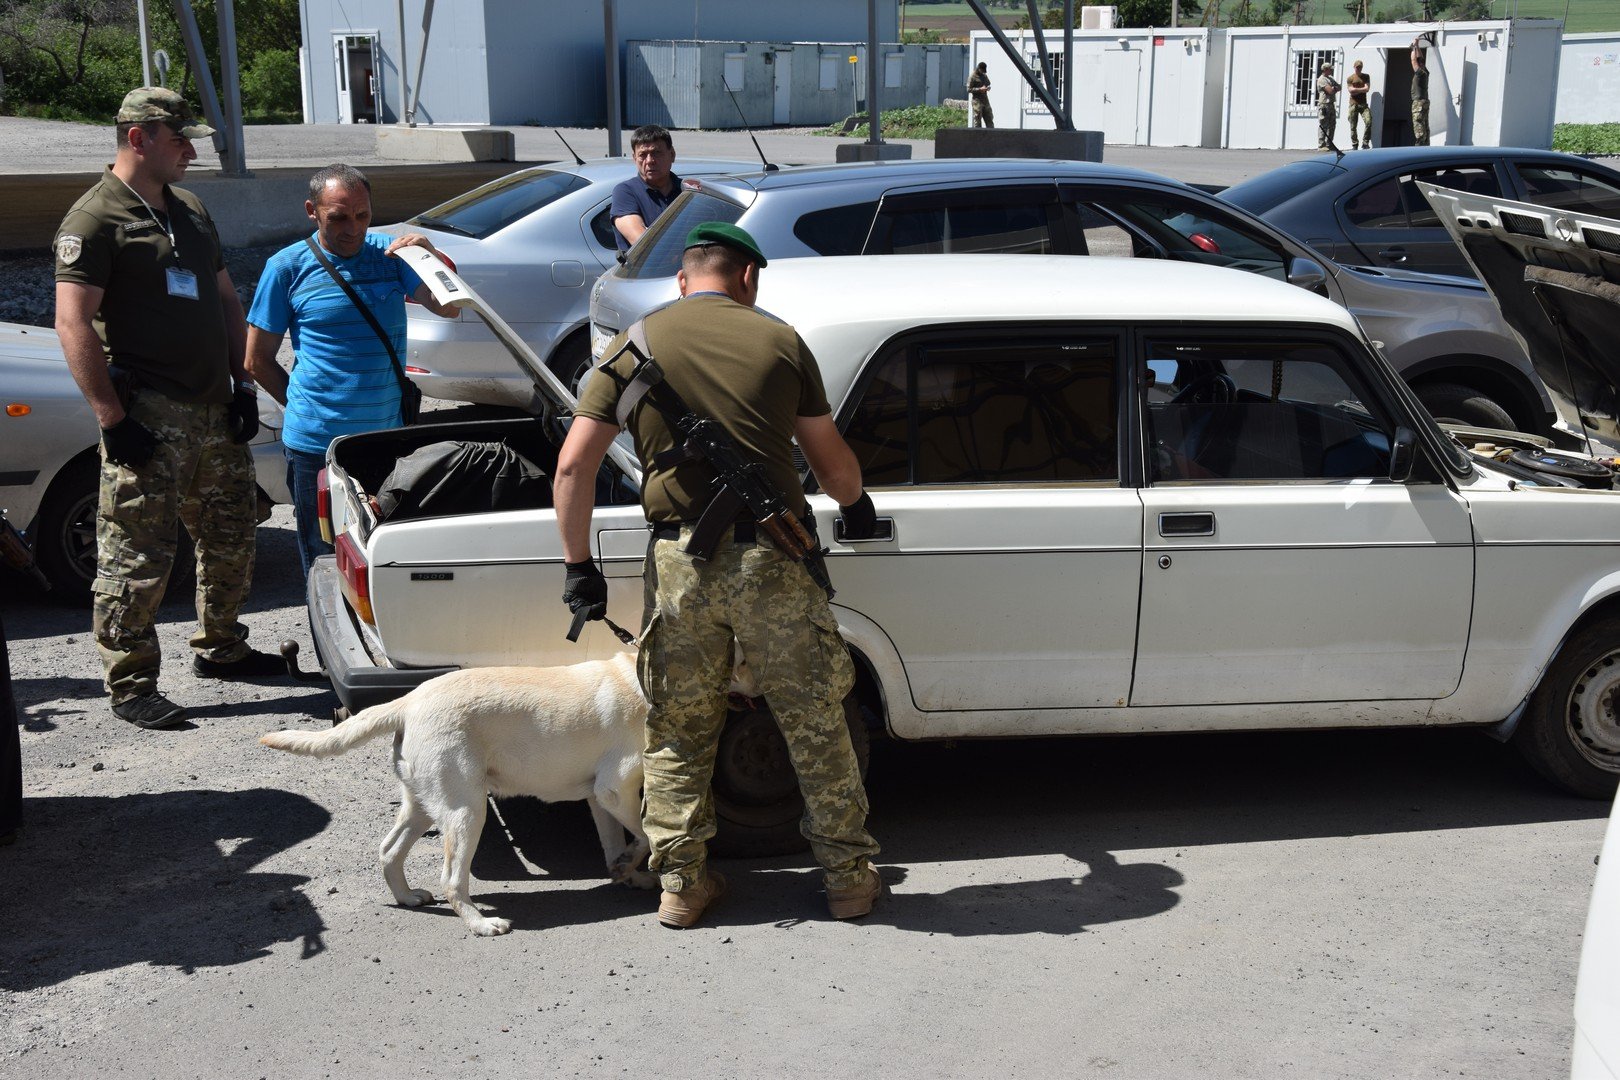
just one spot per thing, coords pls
(10, 747)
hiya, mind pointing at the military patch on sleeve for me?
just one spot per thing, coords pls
(68, 249)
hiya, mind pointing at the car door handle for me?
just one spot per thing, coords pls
(884, 532)
(1194, 524)
(1394, 254)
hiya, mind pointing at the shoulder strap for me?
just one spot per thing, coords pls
(354, 298)
(632, 392)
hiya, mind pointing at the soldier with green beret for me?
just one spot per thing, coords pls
(153, 333)
(755, 377)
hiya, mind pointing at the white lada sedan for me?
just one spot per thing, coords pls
(1115, 496)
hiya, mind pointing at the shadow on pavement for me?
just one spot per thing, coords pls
(82, 895)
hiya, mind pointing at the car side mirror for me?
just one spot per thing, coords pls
(1308, 274)
(1402, 455)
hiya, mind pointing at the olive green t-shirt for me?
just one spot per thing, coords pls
(174, 344)
(744, 369)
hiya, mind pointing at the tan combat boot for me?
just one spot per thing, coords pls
(685, 908)
(856, 900)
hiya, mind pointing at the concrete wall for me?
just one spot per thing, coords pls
(1589, 79)
(683, 83)
(1138, 87)
(540, 61)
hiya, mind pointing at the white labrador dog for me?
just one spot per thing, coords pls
(558, 733)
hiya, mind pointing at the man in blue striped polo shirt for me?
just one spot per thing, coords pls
(343, 380)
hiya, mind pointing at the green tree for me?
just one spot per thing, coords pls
(270, 86)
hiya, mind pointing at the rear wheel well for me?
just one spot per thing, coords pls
(1515, 395)
(869, 696)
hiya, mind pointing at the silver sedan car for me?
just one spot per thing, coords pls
(50, 470)
(531, 243)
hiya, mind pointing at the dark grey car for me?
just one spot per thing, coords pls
(1365, 208)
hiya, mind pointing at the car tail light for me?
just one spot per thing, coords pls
(355, 576)
(448, 261)
(1206, 243)
(323, 504)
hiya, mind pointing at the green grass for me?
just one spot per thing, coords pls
(1587, 138)
(916, 122)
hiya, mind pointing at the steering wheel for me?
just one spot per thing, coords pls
(1214, 389)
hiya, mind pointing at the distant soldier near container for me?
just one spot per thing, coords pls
(1327, 107)
(1360, 112)
(153, 334)
(978, 88)
(1420, 95)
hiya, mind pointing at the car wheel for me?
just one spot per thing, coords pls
(757, 804)
(1454, 404)
(1570, 733)
(571, 361)
(65, 538)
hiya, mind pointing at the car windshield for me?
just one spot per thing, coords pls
(487, 210)
(658, 253)
(1279, 185)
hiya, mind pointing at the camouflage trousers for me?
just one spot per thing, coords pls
(983, 116)
(780, 619)
(197, 476)
(1327, 118)
(1420, 123)
(1360, 126)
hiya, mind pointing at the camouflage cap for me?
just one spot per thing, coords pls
(158, 103)
(726, 235)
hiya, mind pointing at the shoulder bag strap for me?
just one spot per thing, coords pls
(354, 297)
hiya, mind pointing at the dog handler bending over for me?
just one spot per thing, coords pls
(754, 376)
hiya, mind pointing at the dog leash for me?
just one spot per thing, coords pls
(621, 633)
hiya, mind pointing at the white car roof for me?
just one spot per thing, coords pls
(853, 303)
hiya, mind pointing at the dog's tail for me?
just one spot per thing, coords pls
(363, 726)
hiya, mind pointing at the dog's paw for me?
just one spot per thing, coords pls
(490, 927)
(415, 898)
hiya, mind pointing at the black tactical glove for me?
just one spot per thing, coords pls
(585, 590)
(860, 518)
(128, 443)
(242, 414)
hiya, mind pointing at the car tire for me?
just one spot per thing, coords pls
(64, 539)
(571, 360)
(757, 804)
(1570, 732)
(1453, 404)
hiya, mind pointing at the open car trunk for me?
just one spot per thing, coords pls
(1556, 276)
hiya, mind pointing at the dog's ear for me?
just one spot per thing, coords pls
(742, 676)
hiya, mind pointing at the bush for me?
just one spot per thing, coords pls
(270, 86)
(915, 122)
(1587, 138)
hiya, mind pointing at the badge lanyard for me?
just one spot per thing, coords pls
(181, 282)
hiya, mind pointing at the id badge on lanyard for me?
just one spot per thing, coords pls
(182, 283)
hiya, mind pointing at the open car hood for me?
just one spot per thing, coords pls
(448, 288)
(1556, 276)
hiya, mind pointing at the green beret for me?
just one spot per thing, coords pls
(727, 235)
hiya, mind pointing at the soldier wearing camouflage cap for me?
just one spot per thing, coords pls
(153, 333)
(757, 378)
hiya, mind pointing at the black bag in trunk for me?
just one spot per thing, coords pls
(458, 477)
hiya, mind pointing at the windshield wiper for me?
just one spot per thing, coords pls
(443, 224)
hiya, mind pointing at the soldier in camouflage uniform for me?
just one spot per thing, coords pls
(1327, 107)
(978, 88)
(758, 379)
(1420, 94)
(153, 333)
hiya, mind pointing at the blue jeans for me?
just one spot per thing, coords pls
(302, 470)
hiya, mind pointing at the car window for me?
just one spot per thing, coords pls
(1103, 237)
(1188, 231)
(1569, 189)
(1396, 203)
(1018, 221)
(1262, 410)
(837, 230)
(601, 225)
(658, 252)
(488, 209)
(989, 412)
(1276, 187)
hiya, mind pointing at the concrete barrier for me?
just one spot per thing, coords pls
(264, 208)
(1018, 143)
(445, 144)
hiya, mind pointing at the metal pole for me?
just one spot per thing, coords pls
(146, 44)
(231, 81)
(1040, 46)
(1029, 76)
(610, 58)
(873, 114)
(399, 62)
(1068, 62)
(421, 62)
(205, 84)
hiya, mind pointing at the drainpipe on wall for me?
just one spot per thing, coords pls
(1288, 86)
(399, 62)
(1153, 55)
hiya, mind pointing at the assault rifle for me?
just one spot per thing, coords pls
(739, 483)
(15, 554)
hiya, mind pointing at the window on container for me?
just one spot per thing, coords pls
(893, 69)
(1307, 66)
(734, 71)
(829, 71)
(1056, 89)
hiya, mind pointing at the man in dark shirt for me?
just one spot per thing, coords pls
(637, 202)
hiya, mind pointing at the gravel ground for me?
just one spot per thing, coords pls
(28, 291)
